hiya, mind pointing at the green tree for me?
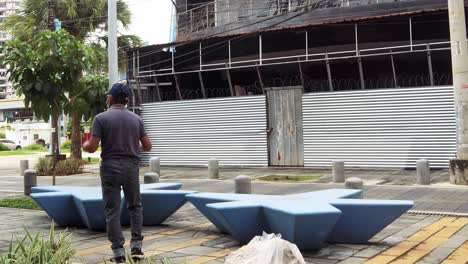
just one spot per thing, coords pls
(87, 21)
(79, 17)
(88, 102)
(44, 70)
(84, 19)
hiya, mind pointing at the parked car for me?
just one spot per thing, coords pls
(10, 144)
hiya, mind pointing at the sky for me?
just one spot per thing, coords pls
(151, 20)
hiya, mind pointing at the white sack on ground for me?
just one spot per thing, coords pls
(266, 249)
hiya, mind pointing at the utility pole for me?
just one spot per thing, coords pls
(112, 42)
(51, 26)
(54, 120)
(459, 166)
(58, 26)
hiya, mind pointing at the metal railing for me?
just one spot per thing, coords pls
(306, 57)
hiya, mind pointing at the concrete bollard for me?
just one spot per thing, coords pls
(423, 172)
(338, 171)
(155, 165)
(151, 177)
(30, 180)
(355, 183)
(24, 165)
(243, 184)
(213, 169)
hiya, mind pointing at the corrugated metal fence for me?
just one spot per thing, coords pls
(191, 132)
(380, 128)
(372, 128)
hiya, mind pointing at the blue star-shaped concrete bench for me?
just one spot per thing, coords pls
(83, 206)
(306, 219)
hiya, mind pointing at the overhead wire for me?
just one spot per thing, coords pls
(197, 50)
(230, 23)
(219, 33)
(225, 42)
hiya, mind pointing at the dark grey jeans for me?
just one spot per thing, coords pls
(117, 174)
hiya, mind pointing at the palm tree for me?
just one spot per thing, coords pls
(84, 19)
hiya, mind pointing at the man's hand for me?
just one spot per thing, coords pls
(91, 145)
(146, 143)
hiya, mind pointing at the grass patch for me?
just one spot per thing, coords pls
(35, 147)
(289, 178)
(20, 202)
(28, 150)
(91, 160)
(16, 153)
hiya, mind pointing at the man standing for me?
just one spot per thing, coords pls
(120, 133)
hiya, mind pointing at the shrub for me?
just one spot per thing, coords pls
(66, 144)
(54, 249)
(45, 166)
(2, 135)
(34, 147)
(41, 142)
(3, 147)
(69, 167)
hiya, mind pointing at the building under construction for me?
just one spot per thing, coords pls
(300, 83)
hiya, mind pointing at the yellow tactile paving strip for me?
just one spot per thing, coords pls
(411, 250)
(188, 243)
(424, 242)
(172, 247)
(212, 256)
(97, 249)
(460, 256)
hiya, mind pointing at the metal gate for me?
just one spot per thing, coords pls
(285, 126)
(380, 128)
(232, 130)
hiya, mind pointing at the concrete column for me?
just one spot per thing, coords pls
(112, 49)
(423, 172)
(24, 165)
(155, 165)
(151, 177)
(338, 171)
(30, 180)
(459, 167)
(355, 183)
(243, 184)
(213, 169)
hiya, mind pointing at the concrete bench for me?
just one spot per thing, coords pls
(83, 206)
(307, 219)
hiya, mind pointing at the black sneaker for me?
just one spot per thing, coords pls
(120, 259)
(137, 254)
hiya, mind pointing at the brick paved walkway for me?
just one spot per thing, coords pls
(188, 237)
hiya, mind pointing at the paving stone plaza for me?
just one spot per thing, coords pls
(434, 231)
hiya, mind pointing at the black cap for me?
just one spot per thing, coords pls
(119, 89)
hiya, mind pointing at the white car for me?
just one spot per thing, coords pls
(10, 144)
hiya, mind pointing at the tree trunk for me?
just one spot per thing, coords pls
(75, 152)
(55, 142)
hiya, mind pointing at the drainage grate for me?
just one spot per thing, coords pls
(413, 212)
